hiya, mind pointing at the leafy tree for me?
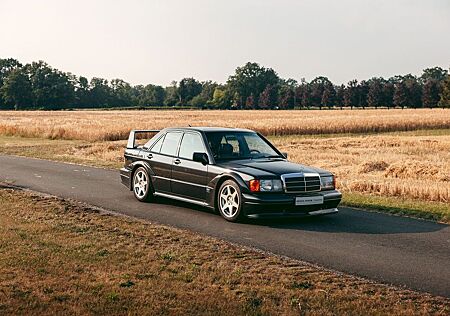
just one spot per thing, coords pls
(444, 102)
(206, 95)
(431, 91)
(375, 94)
(291, 83)
(251, 86)
(340, 91)
(388, 93)
(401, 95)
(435, 73)
(328, 96)
(414, 91)
(188, 89)
(268, 98)
(16, 89)
(303, 94)
(362, 92)
(287, 97)
(121, 93)
(100, 92)
(6, 67)
(250, 102)
(317, 87)
(158, 95)
(51, 88)
(351, 97)
(221, 97)
(151, 95)
(82, 93)
(172, 96)
(251, 79)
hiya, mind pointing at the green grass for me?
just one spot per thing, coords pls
(404, 207)
(424, 132)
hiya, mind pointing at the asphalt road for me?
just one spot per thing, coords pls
(394, 250)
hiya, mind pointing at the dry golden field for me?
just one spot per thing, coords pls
(406, 165)
(115, 125)
(402, 165)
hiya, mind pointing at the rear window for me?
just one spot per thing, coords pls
(170, 144)
(157, 146)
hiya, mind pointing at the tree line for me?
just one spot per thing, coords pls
(40, 86)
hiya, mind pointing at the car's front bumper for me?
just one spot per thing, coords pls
(283, 204)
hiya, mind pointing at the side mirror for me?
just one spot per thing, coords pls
(285, 155)
(201, 157)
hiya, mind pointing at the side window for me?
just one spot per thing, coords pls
(157, 146)
(170, 144)
(190, 144)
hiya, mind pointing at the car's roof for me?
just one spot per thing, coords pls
(210, 129)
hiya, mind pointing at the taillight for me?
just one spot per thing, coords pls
(254, 185)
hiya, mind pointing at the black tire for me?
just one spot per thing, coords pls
(141, 185)
(229, 201)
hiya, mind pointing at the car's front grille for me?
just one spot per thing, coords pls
(301, 182)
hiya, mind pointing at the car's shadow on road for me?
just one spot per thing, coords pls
(346, 221)
(354, 221)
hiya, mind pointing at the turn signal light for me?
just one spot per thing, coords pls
(254, 185)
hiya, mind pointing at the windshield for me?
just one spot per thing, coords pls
(239, 145)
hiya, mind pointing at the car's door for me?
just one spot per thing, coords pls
(189, 178)
(160, 157)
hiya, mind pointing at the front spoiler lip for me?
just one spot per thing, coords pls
(291, 214)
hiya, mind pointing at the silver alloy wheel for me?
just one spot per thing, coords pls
(229, 201)
(140, 184)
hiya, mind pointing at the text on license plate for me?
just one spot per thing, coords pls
(308, 200)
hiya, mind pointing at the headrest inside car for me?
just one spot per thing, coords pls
(226, 150)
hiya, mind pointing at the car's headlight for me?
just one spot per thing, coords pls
(327, 182)
(266, 185)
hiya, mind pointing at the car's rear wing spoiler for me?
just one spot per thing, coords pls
(132, 137)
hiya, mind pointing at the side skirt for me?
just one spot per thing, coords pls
(182, 199)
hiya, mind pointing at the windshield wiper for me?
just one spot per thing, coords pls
(272, 156)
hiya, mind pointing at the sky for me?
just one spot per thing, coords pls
(157, 41)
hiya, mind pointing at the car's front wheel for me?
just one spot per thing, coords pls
(229, 201)
(142, 185)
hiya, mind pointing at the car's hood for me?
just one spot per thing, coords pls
(269, 167)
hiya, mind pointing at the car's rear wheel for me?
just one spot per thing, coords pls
(229, 201)
(141, 185)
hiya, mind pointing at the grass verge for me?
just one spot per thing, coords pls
(63, 257)
(435, 211)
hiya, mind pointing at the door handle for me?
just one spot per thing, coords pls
(148, 156)
(177, 161)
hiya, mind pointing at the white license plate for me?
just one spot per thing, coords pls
(308, 200)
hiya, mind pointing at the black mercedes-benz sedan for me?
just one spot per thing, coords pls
(237, 172)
